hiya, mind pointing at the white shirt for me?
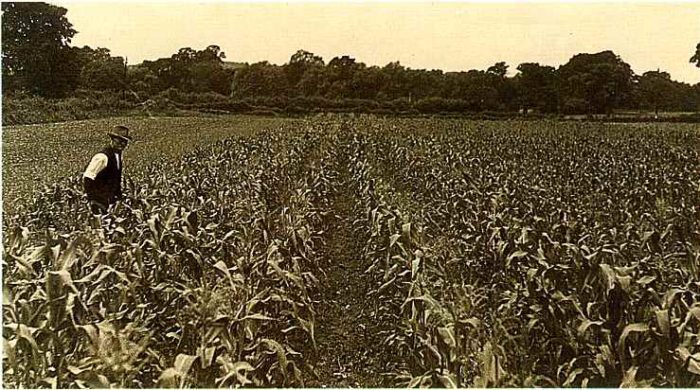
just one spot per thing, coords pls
(98, 163)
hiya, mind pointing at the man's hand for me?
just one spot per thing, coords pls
(98, 208)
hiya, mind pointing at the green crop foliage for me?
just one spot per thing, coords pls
(497, 254)
(542, 254)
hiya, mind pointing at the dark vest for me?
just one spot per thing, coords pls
(108, 183)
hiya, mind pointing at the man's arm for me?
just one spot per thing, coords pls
(97, 164)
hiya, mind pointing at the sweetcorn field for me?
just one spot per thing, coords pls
(365, 251)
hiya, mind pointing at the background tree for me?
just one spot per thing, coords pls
(696, 57)
(366, 82)
(158, 75)
(479, 90)
(504, 86)
(536, 87)
(301, 62)
(340, 72)
(37, 59)
(313, 83)
(100, 71)
(499, 69)
(657, 91)
(142, 80)
(206, 71)
(395, 83)
(36, 56)
(600, 81)
(260, 79)
(211, 54)
(425, 83)
(210, 77)
(188, 70)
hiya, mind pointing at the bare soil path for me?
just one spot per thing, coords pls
(348, 337)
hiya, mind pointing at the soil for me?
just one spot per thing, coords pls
(349, 343)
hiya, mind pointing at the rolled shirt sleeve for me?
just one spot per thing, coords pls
(97, 164)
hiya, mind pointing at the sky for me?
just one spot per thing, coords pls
(452, 36)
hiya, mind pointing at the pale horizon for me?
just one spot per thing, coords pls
(445, 36)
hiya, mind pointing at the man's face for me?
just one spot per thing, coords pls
(119, 144)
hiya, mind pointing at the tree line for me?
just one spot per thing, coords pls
(38, 59)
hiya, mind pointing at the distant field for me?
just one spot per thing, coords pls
(638, 116)
(37, 155)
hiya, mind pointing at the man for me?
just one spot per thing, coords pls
(102, 179)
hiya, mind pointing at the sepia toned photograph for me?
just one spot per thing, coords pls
(366, 194)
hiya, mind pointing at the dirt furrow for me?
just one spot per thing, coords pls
(349, 352)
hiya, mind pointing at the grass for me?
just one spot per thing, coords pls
(42, 154)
